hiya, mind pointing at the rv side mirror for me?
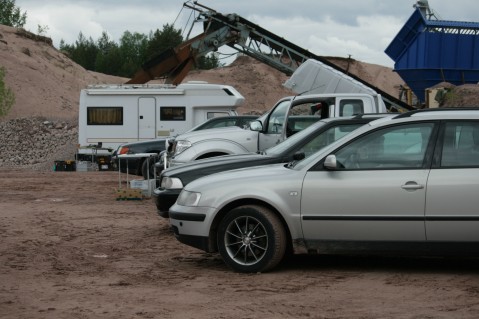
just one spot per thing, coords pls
(256, 126)
(330, 162)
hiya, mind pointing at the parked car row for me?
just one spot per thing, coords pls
(138, 165)
(288, 116)
(296, 147)
(404, 183)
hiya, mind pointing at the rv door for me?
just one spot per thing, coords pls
(146, 118)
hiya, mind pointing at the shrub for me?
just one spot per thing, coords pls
(7, 97)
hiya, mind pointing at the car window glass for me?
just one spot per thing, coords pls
(293, 140)
(297, 124)
(402, 146)
(327, 137)
(460, 144)
(223, 123)
(276, 120)
(351, 107)
(211, 115)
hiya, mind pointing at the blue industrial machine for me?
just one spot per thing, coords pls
(427, 51)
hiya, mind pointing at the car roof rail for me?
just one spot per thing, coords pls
(363, 115)
(440, 109)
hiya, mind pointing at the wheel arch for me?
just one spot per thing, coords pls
(212, 154)
(205, 148)
(242, 202)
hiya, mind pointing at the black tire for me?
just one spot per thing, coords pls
(251, 239)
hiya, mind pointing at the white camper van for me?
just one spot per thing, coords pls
(111, 115)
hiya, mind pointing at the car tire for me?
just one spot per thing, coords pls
(251, 239)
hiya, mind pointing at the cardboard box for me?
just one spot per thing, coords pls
(146, 186)
(86, 166)
(128, 194)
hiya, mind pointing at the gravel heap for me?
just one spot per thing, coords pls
(36, 142)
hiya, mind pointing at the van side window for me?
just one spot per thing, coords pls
(110, 115)
(172, 113)
(351, 107)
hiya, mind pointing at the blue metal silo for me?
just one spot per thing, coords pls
(427, 52)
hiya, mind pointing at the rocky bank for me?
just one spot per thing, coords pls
(36, 142)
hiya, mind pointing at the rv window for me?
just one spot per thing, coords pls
(105, 115)
(172, 113)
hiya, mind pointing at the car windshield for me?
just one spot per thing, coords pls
(298, 165)
(314, 140)
(286, 144)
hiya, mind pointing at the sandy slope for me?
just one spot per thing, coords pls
(47, 83)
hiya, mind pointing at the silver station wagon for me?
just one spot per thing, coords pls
(406, 183)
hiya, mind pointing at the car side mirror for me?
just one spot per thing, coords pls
(256, 126)
(330, 162)
(169, 144)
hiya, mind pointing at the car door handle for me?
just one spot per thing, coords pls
(410, 186)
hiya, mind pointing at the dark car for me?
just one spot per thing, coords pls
(296, 147)
(134, 165)
(137, 165)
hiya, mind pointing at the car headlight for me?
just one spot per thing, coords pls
(187, 198)
(171, 183)
(181, 146)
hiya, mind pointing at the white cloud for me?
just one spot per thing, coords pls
(65, 20)
(365, 39)
(328, 27)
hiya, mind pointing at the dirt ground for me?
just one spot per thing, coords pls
(69, 249)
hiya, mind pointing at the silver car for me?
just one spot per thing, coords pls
(405, 183)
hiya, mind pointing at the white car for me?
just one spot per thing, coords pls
(405, 183)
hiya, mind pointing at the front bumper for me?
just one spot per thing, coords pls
(199, 242)
(164, 199)
(192, 225)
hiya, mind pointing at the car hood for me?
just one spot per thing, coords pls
(213, 161)
(239, 178)
(202, 134)
(147, 142)
(196, 169)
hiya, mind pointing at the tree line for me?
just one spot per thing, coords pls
(107, 56)
(133, 50)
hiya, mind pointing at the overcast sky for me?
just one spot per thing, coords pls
(360, 28)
